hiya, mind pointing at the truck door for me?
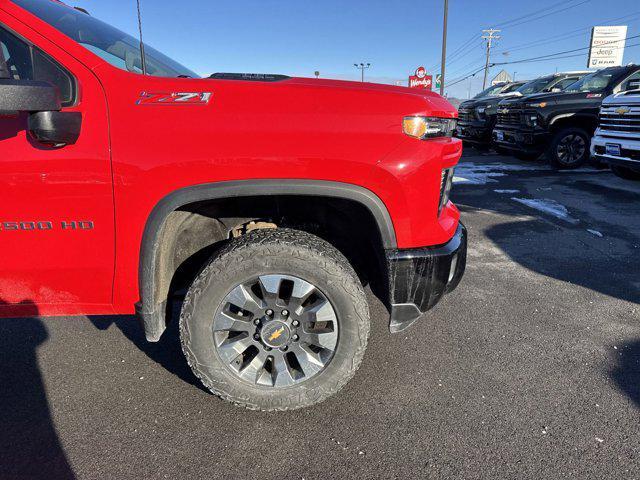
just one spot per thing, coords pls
(56, 209)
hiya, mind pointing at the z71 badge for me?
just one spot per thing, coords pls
(174, 98)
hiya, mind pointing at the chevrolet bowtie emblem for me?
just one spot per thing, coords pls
(623, 110)
(276, 334)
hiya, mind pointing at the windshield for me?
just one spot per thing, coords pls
(535, 86)
(109, 43)
(512, 87)
(594, 82)
(492, 90)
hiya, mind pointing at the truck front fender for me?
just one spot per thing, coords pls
(152, 305)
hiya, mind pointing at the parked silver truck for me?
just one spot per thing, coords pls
(617, 138)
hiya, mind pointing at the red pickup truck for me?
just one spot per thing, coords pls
(260, 203)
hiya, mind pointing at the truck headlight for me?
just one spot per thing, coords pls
(428, 127)
(531, 119)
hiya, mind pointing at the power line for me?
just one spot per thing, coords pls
(468, 65)
(522, 17)
(455, 55)
(468, 76)
(460, 49)
(561, 53)
(544, 58)
(554, 12)
(569, 34)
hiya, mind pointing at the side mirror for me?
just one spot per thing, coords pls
(55, 128)
(46, 123)
(28, 96)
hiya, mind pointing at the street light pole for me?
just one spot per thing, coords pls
(362, 67)
(444, 46)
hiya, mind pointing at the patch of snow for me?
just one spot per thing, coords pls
(595, 232)
(548, 206)
(507, 191)
(477, 178)
(481, 174)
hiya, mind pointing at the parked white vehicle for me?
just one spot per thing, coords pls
(617, 139)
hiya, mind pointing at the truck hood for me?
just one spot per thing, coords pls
(328, 96)
(552, 97)
(434, 103)
(631, 97)
(491, 100)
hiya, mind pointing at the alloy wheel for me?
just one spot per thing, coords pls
(275, 331)
(571, 149)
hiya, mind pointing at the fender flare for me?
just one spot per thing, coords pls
(577, 116)
(152, 310)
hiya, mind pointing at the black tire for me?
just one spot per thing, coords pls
(626, 173)
(569, 148)
(282, 252)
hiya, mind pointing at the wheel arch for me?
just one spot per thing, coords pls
(588, 123)
(151, 307)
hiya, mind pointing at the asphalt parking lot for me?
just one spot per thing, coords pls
(530, 369)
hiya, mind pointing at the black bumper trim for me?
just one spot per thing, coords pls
(518, 140)
(478, 134)
(419, 277)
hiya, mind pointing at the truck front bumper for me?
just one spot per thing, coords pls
(419, 277)
(624, 152)
(521, 140)
(474, 133)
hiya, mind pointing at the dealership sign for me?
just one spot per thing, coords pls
(607, 46)
(420, 79)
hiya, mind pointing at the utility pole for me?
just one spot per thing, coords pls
(444, 46)
(489, 36)
(362, 67)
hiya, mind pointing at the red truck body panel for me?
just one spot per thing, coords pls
(132, 154)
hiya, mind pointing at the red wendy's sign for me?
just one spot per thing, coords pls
(421, 79)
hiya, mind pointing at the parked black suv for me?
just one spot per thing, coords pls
(474, 124)
(560, 124)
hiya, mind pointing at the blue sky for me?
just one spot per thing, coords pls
(297, 37)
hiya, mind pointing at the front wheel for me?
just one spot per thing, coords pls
(626, 173)
(277, 320)
(569, 148)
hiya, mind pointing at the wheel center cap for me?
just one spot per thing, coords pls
(275, 334)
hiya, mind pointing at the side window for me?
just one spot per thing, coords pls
(25, 62)
(631, 83)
